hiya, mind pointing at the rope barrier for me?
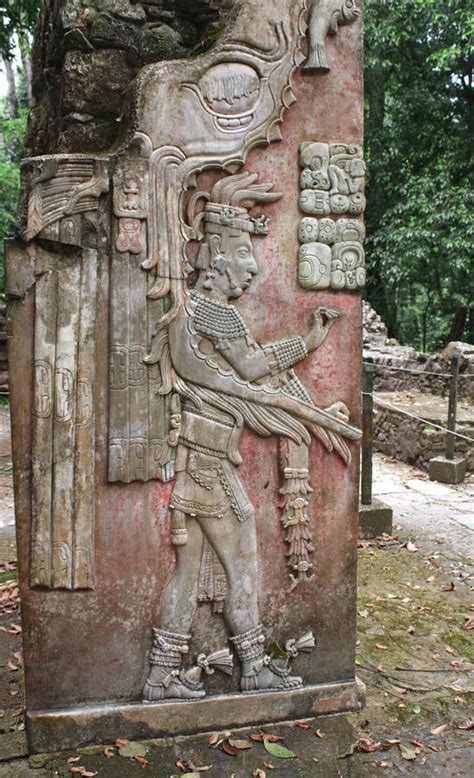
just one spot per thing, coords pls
(415, 372)
(389, 406)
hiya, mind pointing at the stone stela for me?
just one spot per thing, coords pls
(185, 350)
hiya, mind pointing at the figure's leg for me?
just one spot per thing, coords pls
(171, 640)
(235, 544)
(180, 596)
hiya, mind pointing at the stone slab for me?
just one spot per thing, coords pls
(12, 746)
(57, 730)
(375, 518)
(448, 471)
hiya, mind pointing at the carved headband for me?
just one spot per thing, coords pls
(217, 215)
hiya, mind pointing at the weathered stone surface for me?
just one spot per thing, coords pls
(84, 93)
(375, 519)
(447, 471)
(197, 389)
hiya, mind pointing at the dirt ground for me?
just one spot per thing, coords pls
(415, 656)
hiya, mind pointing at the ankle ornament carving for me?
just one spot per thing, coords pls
(249, 645)
(168, 648)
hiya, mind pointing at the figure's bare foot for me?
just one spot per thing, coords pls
(166, 684)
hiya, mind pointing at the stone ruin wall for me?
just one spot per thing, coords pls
(87, 53)
(395, 434)
(381, 350)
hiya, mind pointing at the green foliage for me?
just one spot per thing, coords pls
(419, 123)
(11, 149)
(16, 17)
(9, 185)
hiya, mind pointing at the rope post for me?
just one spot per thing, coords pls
(375, 516)
(367, 435)
(450, 469)
(453, 398)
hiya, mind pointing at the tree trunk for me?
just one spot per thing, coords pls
(459, 323)
(25, 48)
(12, 97)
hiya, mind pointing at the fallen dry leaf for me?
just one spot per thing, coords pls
(302, 724)
(230, 750)
(272, 738)
(15, 629)
(450, 587)
(73, 759)
(241, 745)
(381, 647)
(367, 746)
(257, 737)
(109, 752)
(213, 739)
(466, 724)
(121, 742)
(468, 622)
(399, 689)
(439, 730)
(392, 741)
(141, 760)
(10, 666)
(88, 774)
(407, 752)
(411, 547)
(383, 765)
(449, 650)
(258, 773)
(269, 766)
(320, 734)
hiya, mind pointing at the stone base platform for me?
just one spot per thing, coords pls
(58, 730)
(447, 471)
(374, 519)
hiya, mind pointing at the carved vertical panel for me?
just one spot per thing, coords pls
(43, 419)
(83, 560)
(137, 412)
(63, 445)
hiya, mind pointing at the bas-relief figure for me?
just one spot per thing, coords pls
(186, 373)
(226, 380)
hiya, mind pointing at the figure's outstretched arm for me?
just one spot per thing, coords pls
(254, 362)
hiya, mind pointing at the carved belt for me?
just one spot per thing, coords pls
(210, 436)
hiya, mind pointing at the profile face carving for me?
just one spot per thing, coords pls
(225, 260)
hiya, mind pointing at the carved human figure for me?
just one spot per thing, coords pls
(226, 380)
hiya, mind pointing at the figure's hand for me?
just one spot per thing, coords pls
(322, 319)
(340, 411)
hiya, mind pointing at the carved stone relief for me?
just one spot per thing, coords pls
(58, 195)
(63, 445)
(325, 18)
(186, 374)
(332, 182)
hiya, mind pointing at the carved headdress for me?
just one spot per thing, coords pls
(227, 207)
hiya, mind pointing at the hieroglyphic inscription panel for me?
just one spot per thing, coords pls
(332, 181)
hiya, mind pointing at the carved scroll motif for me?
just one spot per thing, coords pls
(332, 182)
(57, 189)
(63, 446)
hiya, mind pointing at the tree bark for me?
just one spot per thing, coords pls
(12, 96)
(24, 46)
